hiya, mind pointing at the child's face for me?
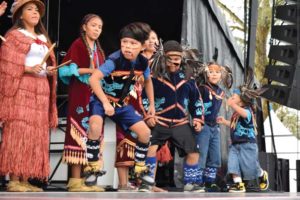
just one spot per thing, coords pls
(93, 28)
(151, 43)
(236, 99)
(214, 75)
(173, 61)
(130, 48)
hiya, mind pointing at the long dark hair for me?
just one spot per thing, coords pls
(84, 21)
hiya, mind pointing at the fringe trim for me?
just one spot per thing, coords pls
(126, 146)
(53, 114)
(74, 157)
(78, 134)
(24, 150)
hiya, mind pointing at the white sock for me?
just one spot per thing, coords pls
(261, 173)
(237, 179)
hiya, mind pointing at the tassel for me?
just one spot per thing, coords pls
(164, 154)
(210, 95)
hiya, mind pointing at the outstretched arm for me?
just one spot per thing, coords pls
(222, 120)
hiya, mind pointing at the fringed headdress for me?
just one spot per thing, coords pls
(247, 90)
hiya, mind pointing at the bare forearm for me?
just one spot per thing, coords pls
(97, 89)
(149, 91)
(85, 71)
(240, 110)
(226, 123)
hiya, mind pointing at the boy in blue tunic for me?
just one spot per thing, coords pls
(118, 75)
(176, 96)
(243, 152)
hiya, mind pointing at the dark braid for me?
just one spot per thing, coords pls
(82, 34)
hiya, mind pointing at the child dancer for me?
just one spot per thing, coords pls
(86, 55)
(243, 152)
(175, 96)
(208, 139)
(118, 74)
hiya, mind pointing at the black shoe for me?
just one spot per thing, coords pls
(212, 187)
(144, 188)
(237, 188)
(92, 177)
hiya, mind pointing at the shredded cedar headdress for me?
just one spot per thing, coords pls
(248, 91)
(191, 63)
(158, 65)
(194, 67)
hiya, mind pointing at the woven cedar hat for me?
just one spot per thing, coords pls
(20, 3)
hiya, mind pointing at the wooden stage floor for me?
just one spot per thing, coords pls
(147, 196)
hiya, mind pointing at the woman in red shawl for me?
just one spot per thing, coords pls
(86, 55)
(27, 98)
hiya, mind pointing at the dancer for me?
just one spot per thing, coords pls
(126, 142)
(243, 152)
(118, 74)
(27, 98)
(208, 139)
(86, 56)
(175, 96)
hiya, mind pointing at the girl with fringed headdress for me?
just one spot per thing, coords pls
(86, 55)
(209, 77)
(27, 98)
(243, 152)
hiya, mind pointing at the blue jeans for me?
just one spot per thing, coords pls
(208, 141)
(243, 160)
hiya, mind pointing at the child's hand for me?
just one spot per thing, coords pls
(197, 126)
(109, 109)
(221, 120)
(151, 122)
(151, 110)
(3, 7)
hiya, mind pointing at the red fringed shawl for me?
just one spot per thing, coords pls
(28, 110)
(13, 53)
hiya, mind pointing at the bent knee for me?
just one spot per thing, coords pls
(95, 126)
(193, 157)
